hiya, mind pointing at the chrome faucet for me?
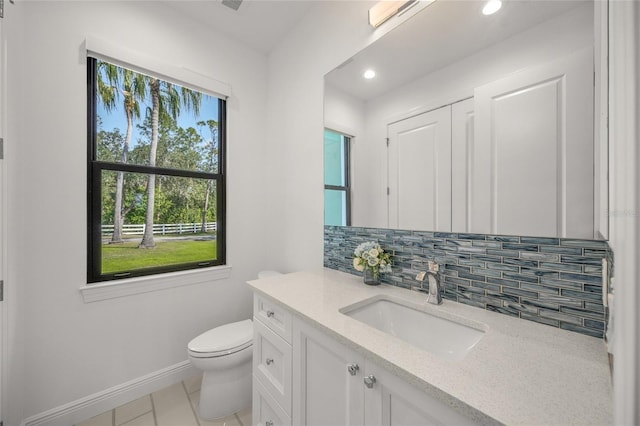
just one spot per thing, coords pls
(434, 297)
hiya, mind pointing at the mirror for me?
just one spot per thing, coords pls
(472, 123)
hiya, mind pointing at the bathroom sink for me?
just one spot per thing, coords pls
(446, 337)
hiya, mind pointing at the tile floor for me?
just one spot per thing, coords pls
(176, 405)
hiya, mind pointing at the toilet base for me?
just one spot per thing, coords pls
(222, 394)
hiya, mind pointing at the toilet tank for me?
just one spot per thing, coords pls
(267, 274)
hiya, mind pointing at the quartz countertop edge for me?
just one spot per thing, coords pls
(520, 372)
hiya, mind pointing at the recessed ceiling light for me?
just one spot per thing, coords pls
(491, 7)
(369, 74)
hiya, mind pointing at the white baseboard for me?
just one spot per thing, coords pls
(92, 405)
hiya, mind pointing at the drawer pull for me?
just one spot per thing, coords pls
(268, 423)
(270, 314)
(269, 361)
(369, 381)
(353, 369)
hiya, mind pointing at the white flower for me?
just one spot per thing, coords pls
(369, 255)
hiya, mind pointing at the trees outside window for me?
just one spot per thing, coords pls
(156, 181)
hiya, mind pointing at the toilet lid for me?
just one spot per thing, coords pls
(223, 338)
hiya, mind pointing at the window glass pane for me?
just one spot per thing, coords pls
(334, 158)
(335, 207)
(184, 221)
(187, 131)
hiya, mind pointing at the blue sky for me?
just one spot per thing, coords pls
(117, 119)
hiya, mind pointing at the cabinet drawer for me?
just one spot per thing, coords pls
(266, 411)
(272, 363)
(275, 317)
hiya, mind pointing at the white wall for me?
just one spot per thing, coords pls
(62, 349)
(345, 113)
(330, 33)
(543, 43)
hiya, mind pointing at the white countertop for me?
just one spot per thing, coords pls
(520, 372)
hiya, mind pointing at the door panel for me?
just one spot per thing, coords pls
(325, 393)
(393, 402)
(533, 155)
(419, 171)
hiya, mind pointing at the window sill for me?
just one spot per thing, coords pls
(128, 287)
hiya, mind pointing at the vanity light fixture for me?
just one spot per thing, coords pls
(369, 74)
(385, 9)
(491, 7)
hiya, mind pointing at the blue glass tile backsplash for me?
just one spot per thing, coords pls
(553, 281)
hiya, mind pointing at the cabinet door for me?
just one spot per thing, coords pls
(420, 171)
(324, 391)
(533, 154)
(390, 401)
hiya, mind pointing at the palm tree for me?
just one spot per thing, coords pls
(133, 90)
(211, 154)
(165, 100)
(107, 90)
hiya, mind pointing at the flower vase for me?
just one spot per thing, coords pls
(370, 278)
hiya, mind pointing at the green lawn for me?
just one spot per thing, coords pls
(127, 256)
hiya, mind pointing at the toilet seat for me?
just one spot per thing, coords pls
(217, 354)
(224, 340)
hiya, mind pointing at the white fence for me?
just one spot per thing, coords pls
(162, 228)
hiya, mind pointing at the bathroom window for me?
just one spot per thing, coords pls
(156, 200)
(337, 206)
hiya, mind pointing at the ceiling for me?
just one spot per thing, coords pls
(444, 32)
(260, 24)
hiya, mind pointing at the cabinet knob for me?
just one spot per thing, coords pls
(353, 369)
(268, 423)
(270, 314)
(269, 361)
(369, 381)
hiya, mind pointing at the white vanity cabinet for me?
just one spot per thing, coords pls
(390, 401)
(413, 386)
(329, 383)
(328, 387)
(271, 363)
(334, 385)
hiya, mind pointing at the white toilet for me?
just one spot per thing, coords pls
(224, 354)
